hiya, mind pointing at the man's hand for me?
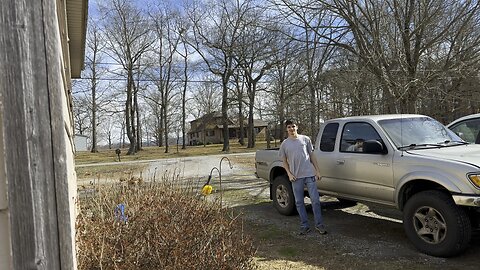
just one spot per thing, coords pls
(317, 176)
(291, 177)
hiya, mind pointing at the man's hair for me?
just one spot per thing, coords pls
(289, 122)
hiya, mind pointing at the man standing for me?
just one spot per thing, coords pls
(300, 164)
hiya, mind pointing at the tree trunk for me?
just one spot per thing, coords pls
(94, 113)
(137, 111)
(267, 136)
(130, 116)
(184, 101)
(226, 142)
(165, 125)
(241, 140)
(251, 127)
(313, 125)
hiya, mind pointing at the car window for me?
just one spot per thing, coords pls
(468, 130)
(329, 135)
(354, 134)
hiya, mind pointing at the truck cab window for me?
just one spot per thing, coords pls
(355, 134)
(329, 135)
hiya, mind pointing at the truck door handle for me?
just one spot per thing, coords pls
(340, 161)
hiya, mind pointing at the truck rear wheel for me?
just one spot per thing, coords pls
(283, 198)
(435, 224)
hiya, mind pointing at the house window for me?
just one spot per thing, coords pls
(210, 133)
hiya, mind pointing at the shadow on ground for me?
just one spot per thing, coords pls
(355, 240)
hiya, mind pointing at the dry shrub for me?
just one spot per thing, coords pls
(167, 228)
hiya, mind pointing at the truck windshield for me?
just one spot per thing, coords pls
(417, 132)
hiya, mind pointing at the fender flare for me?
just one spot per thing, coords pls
(436, 178)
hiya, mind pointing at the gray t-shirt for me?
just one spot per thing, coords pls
(298, 153)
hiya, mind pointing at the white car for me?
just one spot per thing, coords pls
(467, 127)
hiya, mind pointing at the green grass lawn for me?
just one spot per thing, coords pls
(111, 171)
(154, 152)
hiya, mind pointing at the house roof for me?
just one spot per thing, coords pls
(213, 115)
(256, 123)
(259, 123)
(209, 116)
(77, 11)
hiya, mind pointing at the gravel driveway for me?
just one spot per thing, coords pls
(360, 236)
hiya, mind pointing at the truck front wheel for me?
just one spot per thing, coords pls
(435, 224)
(283, 198)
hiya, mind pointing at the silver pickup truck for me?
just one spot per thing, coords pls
(411, 162)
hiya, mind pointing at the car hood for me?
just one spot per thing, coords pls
(469, 153)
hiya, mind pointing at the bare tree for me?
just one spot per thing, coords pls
(238, 97)
(155, 116)
(81, 114)
(393, 39)
(107, 129)
(286, 82)
(207, 98)
(167, 30)
(255, 54)
(98, 95)
(185, 53)
(314, 35)
(216, 30)
(128, 38)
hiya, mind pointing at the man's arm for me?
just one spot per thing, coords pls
(313, 160)
(287, 168)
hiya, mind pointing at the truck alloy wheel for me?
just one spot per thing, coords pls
(430, 225)
(283, 198)
(435, 225)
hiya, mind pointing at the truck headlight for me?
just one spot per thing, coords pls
(475, 179)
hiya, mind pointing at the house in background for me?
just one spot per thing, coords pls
(208, 129)
(80, 142)
(42, 46)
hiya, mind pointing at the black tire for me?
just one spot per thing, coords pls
(283, 198)
(436, 225)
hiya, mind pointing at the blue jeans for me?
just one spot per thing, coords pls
(298, 191)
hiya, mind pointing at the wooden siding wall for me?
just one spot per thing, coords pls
(36, 151)
(5, 243)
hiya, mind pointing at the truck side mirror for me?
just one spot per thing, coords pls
(373, 147)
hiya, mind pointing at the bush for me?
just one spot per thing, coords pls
(164, 228)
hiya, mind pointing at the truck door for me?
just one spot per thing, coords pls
(363, 175)
(326, 156)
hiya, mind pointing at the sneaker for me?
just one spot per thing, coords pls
(304, 231)
(321, 229)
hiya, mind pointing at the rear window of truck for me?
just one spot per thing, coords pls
(329, 135)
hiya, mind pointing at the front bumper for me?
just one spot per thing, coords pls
(467, 200)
